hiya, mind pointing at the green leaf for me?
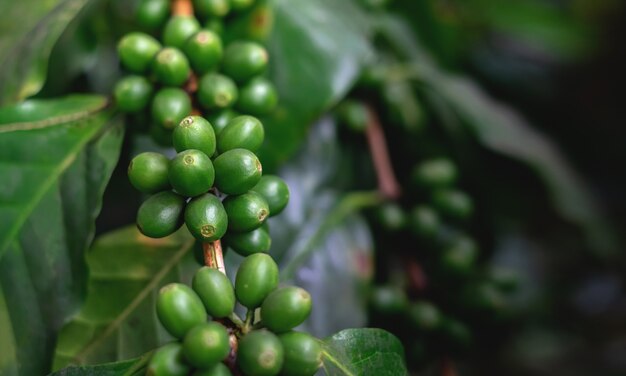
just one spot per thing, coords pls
(56, 158)
(29, 30)
(132, 367)
(364, 352)
(118, 320)
(317, 50)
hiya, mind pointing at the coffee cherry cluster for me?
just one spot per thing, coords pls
(213, 346)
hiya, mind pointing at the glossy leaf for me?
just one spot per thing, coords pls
(118, 320)
(364, 352)
(132, 367)
(56, 158)
(29, 30)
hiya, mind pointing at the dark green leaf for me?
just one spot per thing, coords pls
(118, 320)
(317, 50)
(364, 352)
(132, 367)
(29, 29)
(56, 158)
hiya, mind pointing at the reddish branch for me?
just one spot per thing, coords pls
(448, 368)
(182, 8)
(213, 256)
(387, 183)
(417, 277)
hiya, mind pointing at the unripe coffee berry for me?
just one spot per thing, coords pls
(459, 257)
(206, 344)
(161, 214)
(171, 67)
(191, 173)
(424, 221)
(132, 93)
(216, 91)
(258, 97)
(285, 308)
(204, 50)
(303, 354)
(260, 354)
(244, 132)
(148, 172)
(424, 315)
(435, 173)
(152, 14)
(137, 50)
(244, 60)
(251, 242)
(388, 300)
(220, 369)
(194, 132)
(178, 29)
(179, 309)
(215, 290)
(256, 278)
(211, 8)
(237, 171)
(454, 203)
(206, 218)
(241, 4)
(168, 360)
(275, 191)
(246, 212)
(170, 106)
(220, 119)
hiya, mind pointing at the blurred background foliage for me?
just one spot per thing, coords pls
(522, 96)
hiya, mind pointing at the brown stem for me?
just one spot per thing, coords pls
(182, 8)
(416, 275)
(387, 182)
(448, 368)
(213, 256)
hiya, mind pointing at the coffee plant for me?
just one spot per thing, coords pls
(261, 187)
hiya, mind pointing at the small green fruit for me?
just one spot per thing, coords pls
(132, 93)
(391, 216)
(275, 191)
(454, 203)
(424, 315)
(152, 14)
(168, 361)
(206, 345)
(388, 299)
(303, 354)
(216, 91)
(285, 308)
(251, 242)
(191, 173)
(258, 97)
(148, 172)
(206, 218)
(211, 8)
(178, 29)
(435, 173)
(171, 67)
(241, 4)
(354, 115)
(260, 354)
(215, 290)
(256, 278)
(220, 369)
(237, 171)
(244, 60)
(459, 258)
(170, 106)
(179, 309)
(194, 132)
(204, 50)
(137, 50)
(246, 212)
(161, 214)
(424, 221)
(220, 119)
(216, 25)
(242, 132)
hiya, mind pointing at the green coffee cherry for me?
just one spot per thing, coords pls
(148, 172)
(435, 173)
(251, 242)
(303, 354)
(454, 203)
(242, 132)
(215, 290)
(152, 14)
(391, 216)
(204, 50)
(459, 258)
(388, 299)
(275, 191)
(246, 212)
(354, 115)
(241, 4)
(206, 218)
(179, 309)
(216, 91)
(178, 29)
(161, 214)
(285, 308)
(237, 171)
(191, 173)
(170, 106)
(194, 132)
(258, 97)
(424, 315)
(424, 221)
(220, 369)
(137, 50)
(505, 279)
(168, 361)
(211, 8)
(216, 25)
(132, 93)
(256, 278)
(171, 67)
(260, 354)
(220, 119)
(244, 60)
(206, 345)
